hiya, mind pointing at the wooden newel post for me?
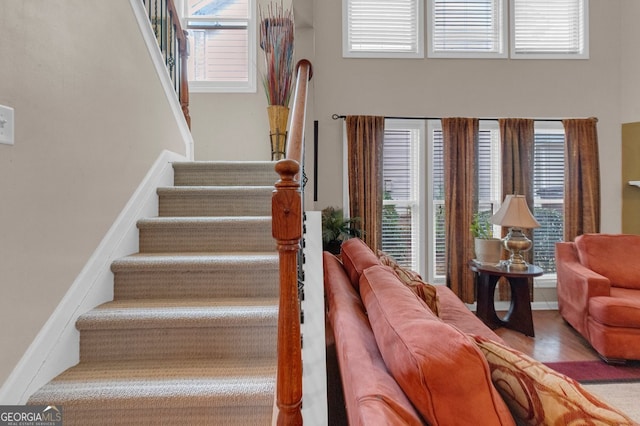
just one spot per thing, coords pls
(287, 231)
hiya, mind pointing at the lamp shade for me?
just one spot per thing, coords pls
(514, 212)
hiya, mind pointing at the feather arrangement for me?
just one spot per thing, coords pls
(276, 40)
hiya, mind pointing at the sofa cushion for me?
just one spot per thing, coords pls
(356, 257)
(614, 256)
(538, 395)
(454, 312)
(439, 368)
(619, 310)
(413, 280)
(371, 394)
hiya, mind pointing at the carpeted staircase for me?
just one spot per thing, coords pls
(190, 337)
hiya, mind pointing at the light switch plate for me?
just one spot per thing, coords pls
(6, 125)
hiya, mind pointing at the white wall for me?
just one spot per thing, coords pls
(90, 120)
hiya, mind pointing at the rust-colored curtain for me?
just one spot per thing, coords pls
(582, 178)
(460, 145)
(365, 135)
(516, 149)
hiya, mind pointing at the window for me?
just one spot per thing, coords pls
(549, 28)
(382, 28)
(548, 192)
(539, 29)
(413, 213)
(222, 45)
(401, 213)
(472, 28)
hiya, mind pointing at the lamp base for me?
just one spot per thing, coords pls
(516, 243)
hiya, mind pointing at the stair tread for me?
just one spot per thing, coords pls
(223, 163)
(195, 220)
(178, 313)
(209, 381)
(215, 188)
(165, 261)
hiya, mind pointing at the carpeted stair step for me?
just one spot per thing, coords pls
(215, 201)
(198, 275)
(191, 335)
(190, 392)
(207, 173)
(206, 234)
(174, 329)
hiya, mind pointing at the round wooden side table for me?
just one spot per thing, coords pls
(519, 315)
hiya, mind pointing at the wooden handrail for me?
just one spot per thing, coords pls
(287, 231)
(174, 45)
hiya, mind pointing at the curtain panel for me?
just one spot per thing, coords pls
(582, 178)
(365, 136)
(517, 137)
(460, 145)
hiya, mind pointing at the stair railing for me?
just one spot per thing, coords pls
(174, 45)
(287, 231)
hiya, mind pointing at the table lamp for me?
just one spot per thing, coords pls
(515, 214)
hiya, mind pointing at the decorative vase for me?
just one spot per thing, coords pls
(488, 251)
(278, 119)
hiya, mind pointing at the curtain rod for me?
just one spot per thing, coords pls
(337, 117)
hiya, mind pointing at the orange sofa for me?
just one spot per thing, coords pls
(413, 354)
(599, 292)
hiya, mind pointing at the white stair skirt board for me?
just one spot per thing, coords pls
(314, 378)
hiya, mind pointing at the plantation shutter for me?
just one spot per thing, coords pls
(549, 27)
(473, 26)
(399, 227)
(387, 27)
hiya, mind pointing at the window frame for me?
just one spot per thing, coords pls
(549, 55)
(547, 127)
(503, 34)
(348, 52)
(250, 86)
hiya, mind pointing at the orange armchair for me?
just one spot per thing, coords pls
(599, 292)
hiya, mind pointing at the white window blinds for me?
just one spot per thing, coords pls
(548, 191)
(400, 211)
(474, 27)
(383, 28)
(549, 28)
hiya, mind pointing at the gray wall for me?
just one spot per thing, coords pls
(90, 120)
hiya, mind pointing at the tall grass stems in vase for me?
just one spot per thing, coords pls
(277, 43)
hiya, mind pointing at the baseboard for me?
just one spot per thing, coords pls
(56, 347)
(502, 306)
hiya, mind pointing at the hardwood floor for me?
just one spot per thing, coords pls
(555, 340)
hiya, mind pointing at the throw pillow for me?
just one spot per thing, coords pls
(413, 280)
(538, 395)
(356, 257)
